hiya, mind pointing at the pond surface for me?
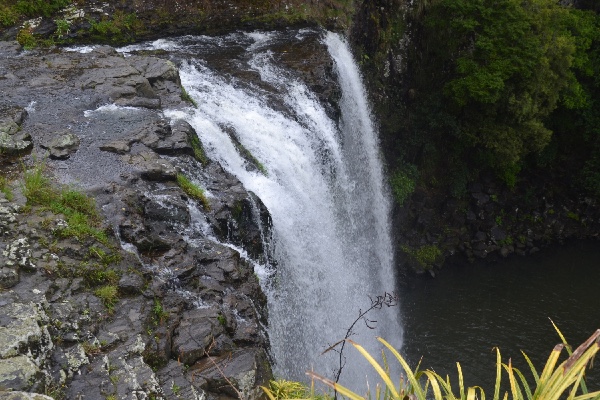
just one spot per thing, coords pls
(467, 310)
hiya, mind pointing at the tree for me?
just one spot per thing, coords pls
(505, 66)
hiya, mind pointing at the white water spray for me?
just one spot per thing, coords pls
(325, 191)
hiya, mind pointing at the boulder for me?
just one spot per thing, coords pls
(23, 330)
(18, 373)
(152, 167)
(63, 145)
(23, 396)
(195, 334)
(117, 146)
(12, 139)
(238, 374)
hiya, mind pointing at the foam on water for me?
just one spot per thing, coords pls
(326, 194)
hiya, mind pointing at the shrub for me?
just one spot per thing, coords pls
(26, 38)
(8, 16)
(35, 8)
(425, 256)
(403, 183)
(554, 382)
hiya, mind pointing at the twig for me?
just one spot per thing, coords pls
(377, 303)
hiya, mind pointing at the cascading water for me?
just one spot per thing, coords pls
(323, 186)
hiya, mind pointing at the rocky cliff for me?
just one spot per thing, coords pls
(142, 302)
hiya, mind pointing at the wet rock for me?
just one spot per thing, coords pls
(244, 369)
(63, 145)
(195, 333)
(114, 78)
(479, 236)
(137, 101)
(152, 167)
(163, 139)
(168, 208)
(71, 360)
(497, 234)
(117, 146)
(175, 384)
(17, 254)
(9, 277)
(22, 326)
(156, 69)
(132, 283)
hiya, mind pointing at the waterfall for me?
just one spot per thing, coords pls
(324, 188)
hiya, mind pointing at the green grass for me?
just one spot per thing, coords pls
(244, 152)
(109, 295)
(81, 215)
(185, 96)
(5, 188)
(199, 153)
(193, 190)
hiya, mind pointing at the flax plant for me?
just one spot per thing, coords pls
(556, 381)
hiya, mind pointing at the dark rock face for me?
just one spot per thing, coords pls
(185, 301)
(492, 222)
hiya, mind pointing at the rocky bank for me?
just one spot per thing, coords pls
(187, 319)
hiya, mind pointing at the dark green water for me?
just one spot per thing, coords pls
(467, 310)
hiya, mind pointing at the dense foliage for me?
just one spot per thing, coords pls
(492, 86)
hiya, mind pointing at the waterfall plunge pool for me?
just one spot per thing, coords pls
(469, 309)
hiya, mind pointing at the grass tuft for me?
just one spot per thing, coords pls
(109, 295)
(5, 188)
(185, 96)
(199, 153)
(82, 217)
(193, 190)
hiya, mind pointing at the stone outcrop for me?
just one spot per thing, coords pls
(13, 140)
(62, 145)
(185, 302)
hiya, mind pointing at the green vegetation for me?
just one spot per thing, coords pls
(120, 28)
(13, 11)
(199, 153)
(5, 188)
(36, 8)
(248, 156)
(284, 389)
(426, 256)
(185, 96)
(193, 190)
(491, 89)
(563, 380)
(109, 295)
(403, 183)
(82, 217)
(159, 315)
